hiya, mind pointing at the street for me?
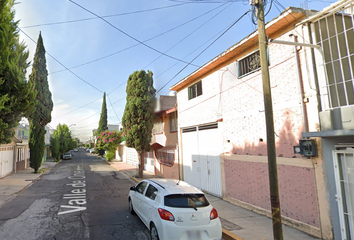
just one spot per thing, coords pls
(82, 198)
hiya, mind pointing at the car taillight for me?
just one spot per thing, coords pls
(213, 214)
(166, 215)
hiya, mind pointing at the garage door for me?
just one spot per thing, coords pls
(201, 148)
(6, 160)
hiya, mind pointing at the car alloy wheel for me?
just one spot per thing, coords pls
(153, 233)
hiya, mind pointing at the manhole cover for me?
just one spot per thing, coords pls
(229, 225)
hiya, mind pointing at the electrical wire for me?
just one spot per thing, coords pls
(113, 108)
(106, 16)
(170, 30)
(205, 49)
(126, 34)
(61, 63)
(199, 27)
(77, 108)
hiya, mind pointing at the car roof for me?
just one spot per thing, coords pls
(174, 186)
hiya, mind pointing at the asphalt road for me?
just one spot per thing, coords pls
(82, 198)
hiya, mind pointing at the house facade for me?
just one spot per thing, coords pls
(23, 152)
(8, 156)
(164, 148)
(163, 159)
(222, 131)
(332, 29)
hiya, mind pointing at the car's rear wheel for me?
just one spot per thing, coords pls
(153, 232)
(131, 209)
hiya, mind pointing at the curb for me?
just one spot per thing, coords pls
(227, 235)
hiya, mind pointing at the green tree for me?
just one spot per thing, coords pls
(16, 98)
(139, 114)
(102, 125)
(43, 106)
(54, 142)
(63, 135)
(108, 142)
(73, 144)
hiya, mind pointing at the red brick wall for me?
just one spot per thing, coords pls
(249, 182)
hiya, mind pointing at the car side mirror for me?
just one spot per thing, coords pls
(133, 188)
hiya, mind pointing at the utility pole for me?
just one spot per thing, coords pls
(268, 106)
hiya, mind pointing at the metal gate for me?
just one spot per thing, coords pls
(344, 176)
(201, 148)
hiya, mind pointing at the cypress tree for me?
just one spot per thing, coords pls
(43, 106)
(16, 97)
(54, 142)
(102, 125)
(138, 118)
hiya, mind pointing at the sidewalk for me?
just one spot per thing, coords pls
(16, 182)
(238, 223)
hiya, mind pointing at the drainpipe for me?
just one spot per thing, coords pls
(301, 86)
(317, 85)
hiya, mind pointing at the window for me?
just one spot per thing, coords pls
(166, 156)
(249, 64)
(157, 126)
(151, 192)
(173, 122)
(141, 187)
(186, 200)
(335, 34)
(195, 90)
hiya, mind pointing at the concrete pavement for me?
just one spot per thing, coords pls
(238, 223)
(16, 182)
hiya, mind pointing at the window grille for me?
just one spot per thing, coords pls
(195, 90)
(249, 64)
(335, 34)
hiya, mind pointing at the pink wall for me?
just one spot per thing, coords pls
(249, 182)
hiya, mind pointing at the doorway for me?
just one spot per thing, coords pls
(344, 177)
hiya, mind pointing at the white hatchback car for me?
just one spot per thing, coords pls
(173, 209)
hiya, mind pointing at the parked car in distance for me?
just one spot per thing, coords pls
(67, 156)
(173, 209)
(92, 150)
(76, 150)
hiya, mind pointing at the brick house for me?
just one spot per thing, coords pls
(164, 148)
(163, 159)
(222, 132)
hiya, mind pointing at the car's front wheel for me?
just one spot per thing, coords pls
(153, 232)
(131, 209)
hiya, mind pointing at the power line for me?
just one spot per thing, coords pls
(78, 108)
(191, 33)
(170, 30)
(205, 49)
(113, 108)
(128, 35)
(106, 16)
(61, 63)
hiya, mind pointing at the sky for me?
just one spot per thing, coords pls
(92, 46)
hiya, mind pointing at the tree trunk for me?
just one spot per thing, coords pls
(141, 164)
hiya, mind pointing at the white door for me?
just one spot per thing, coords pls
(190, 155)
(6, 160)
(201, 149)
(149, 162)
(344, 174)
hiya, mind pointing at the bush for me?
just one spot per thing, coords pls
(110, 155)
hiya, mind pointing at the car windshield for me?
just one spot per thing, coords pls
(186, 200)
